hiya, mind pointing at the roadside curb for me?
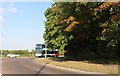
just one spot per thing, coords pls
(65, 68)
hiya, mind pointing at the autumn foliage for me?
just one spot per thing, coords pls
(83, 29)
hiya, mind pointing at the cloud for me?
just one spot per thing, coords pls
(13, 10)
(5, 8)
(1, 19)
(10, 8)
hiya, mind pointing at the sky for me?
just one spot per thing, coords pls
(22, 24)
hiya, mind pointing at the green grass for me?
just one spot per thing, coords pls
(81, 65)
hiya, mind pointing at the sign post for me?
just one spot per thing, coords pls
(45, 52)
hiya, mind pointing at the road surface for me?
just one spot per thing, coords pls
(27, 67)
(0, 66)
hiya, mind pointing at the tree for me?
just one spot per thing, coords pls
(109, 35)
(79, 28)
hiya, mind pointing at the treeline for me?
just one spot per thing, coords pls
(22, 53)
(84, 29)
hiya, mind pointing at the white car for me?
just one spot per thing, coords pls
(12, 55)
(38, 55)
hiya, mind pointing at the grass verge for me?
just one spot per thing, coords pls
(82, 65)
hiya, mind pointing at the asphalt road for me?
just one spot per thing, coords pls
(27, 67)
(0, 66)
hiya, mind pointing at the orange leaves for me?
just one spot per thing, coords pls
(75, 22)
(71, 26)
(71, 23)
(71, 18)
(114, 17)
(54, 8)
(106, 5)
(104, 30)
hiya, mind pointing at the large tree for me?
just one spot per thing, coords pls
(82, 28)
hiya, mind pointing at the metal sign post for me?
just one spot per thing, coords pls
(45, 52)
